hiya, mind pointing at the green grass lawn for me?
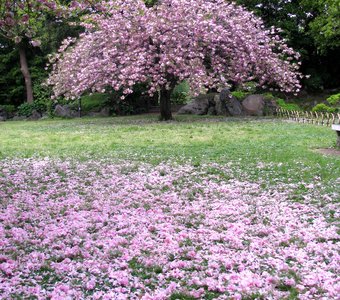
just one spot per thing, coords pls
(272, 150)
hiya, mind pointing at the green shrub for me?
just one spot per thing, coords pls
(250, 87)
(269, 96)
(334, 99)
(9, 109)
(181, 93)
(123, 108)
(240, 95)
(322, 107)
(25, 109)
(93, 102)
(287, 106)
(314, 83)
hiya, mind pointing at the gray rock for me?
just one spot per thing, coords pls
(44, 117)
(198, 106)
(35, 115)
(220, 107)
(234, 107)
(105, 111)
(2, 119)
(211, 111)
(228, 104)
(3, 114)
(225, 95)
(253, 105)
(18, 118)
(64, 111)
(270, 107)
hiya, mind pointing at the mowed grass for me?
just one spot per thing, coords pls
(270, 149)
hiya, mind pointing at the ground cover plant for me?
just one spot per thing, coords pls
(110, 209)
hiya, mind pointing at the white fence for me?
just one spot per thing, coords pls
(319, 118)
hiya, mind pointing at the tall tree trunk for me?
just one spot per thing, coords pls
(165, 104)
(26, 73)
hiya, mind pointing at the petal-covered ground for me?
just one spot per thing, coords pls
(122, 230)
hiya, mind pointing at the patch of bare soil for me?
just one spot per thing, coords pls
(329, 151)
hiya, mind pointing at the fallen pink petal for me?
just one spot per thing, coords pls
(105, 230)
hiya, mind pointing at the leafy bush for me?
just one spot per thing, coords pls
(270, 96)
(334, 99)
(315, 82)
(123, 107)
(25, 109)
(287, 106)
(181, 93)
(322, 107)
(240, 95)
(250, 87)
(9, 109)
(93, 102)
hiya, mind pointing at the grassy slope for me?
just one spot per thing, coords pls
(286, 149)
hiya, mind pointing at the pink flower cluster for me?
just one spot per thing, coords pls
(209, 43)
(122, 230)
(21, 18)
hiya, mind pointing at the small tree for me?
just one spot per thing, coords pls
(208, 43)
(22, 22)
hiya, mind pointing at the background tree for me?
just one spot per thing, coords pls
(324, 27)
(20, 23)
(312, 28)
(29, 24)
(207, 43)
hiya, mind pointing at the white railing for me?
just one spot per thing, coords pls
(311, 117)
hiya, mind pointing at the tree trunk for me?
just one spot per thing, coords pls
(26, 73)
(165, 105)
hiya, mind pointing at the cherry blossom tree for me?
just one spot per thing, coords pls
(209, 43)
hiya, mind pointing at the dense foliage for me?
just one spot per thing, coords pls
(312, 28)
(25, 24)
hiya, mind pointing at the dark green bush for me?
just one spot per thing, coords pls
(287, 106)
(314, 83)
(240, 95)
(93, 102)
(334, 100)
(322, 107)
(26, 109)
(9, 109)
(181, 93)
(269, 96)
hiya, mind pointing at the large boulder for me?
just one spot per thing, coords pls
(199, 106)
(35, 115)
(270, 107)
(3, 114)
(18, 118)
(254, 105)
(104, 112)
(220, 107)
(230, 105)
(64, 111)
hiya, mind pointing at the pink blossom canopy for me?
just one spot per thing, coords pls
(209, 43)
